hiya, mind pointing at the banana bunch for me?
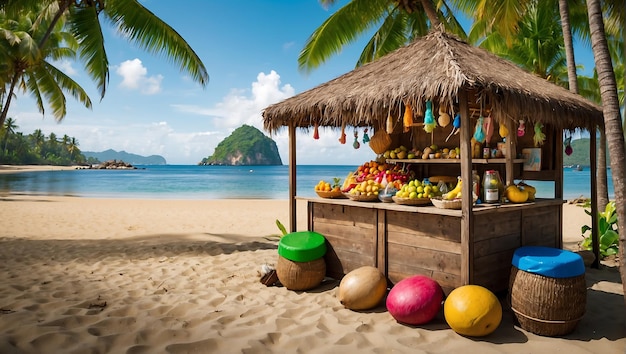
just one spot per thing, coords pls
(455, 193)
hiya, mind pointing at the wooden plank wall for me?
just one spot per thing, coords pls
(427, 244)
(351, 233)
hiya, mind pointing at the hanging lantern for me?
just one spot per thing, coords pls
(356, 144)
(503, 130)
(407, 121)
(568, 147)
(316, 133)
(456, 125)
(444, 117)
(479, 133)
(539, 136)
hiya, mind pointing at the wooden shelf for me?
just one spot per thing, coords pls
(455, 161)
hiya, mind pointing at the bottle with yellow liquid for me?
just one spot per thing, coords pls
(491, 187)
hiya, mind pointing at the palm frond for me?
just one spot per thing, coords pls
(340, 29)
(155, 36)
(67, 84)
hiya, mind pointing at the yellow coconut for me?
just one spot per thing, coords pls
(363, 288)
(472, 310)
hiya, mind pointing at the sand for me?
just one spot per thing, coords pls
(81, 275)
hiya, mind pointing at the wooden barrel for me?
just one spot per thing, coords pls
(301, 264)
(547, 290)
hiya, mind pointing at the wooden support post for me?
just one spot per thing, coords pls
(292, 179)
(467, 249)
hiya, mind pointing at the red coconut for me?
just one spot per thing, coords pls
(415, 300)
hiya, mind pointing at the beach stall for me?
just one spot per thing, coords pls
(396, 96)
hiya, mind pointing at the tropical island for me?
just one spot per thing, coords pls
(245, 146)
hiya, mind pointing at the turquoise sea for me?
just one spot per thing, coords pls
(216, 182)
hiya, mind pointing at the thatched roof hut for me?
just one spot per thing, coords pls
(437, 66)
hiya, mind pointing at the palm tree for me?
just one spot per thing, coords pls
(400, 22)
(8, 129)
(38, 139)
(612, 121)
(72, 147)
(26, 67)
(136, 22)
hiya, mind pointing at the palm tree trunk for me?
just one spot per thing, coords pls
(602, 187)
(612, 122)
(569, 46)
(431, 12)
(5, 107)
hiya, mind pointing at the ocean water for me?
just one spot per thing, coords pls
(217, 182)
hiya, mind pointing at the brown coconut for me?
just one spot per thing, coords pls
(362, 288)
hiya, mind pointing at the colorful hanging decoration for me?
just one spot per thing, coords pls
(316, 133)
(521, 129)
(503, 130)
(456, 125)
(429, 119)
(539, 136)
(366, 137)
(568, 145)
(356, 143)
(444, 117)
(389, 124)
(342, 138)
(479, 132)
(407, 120)
(488, 127)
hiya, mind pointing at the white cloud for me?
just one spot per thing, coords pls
(135, 77)
(66, 67)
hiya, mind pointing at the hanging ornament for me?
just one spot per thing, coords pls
(539, 136)
(407, 120)
(456, 125)
(429, 119)
(356, 144)
(503, 130)
(568, 147)
(316, 133)
(521, 129)
(488, 126)
(444, 118)
(366, 137)
(479, 133)
(389, 124)
(342, 138)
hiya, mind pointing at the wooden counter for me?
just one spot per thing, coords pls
(403, 240)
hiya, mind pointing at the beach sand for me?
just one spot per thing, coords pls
(81, 275)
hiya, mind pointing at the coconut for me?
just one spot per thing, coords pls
(362, 288)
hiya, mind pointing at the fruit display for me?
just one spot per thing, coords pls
(366, 188)
(530, 189)
(323, 186)
(516, 195)
(416, 189)
(430, 152)
(381, 173)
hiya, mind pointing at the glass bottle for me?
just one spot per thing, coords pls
(476, 183)
(491, 187)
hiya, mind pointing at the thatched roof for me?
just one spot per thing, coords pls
(434, 67)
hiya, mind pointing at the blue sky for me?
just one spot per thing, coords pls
(250, 49)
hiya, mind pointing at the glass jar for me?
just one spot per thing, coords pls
(476, 183)
(491, 187)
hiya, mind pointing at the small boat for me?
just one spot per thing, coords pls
(577, 168)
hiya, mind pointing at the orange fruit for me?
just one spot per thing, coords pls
(472, 310)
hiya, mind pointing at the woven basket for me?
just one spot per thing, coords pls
(411, 201)
(363, 198)
(380, 141)
(449, 204)
(547, 306)
(330, 194)
(300, 275)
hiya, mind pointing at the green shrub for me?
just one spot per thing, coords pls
(607, 231)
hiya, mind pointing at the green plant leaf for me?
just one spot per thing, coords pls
(608, 239)
(281, 227)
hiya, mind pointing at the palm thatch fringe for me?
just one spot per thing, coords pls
(435, 67)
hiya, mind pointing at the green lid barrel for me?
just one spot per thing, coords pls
(302, 246)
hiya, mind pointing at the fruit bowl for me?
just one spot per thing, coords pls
(411, 201)
(362, 197)
(330, 194)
